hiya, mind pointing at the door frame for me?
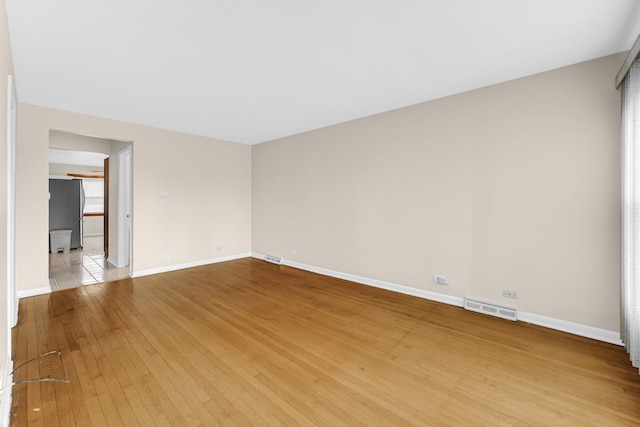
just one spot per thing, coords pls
(12, 295)
(105, 218)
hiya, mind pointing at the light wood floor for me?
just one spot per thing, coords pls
(250, 343)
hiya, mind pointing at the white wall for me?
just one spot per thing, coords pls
(513, 186)
(209, 183)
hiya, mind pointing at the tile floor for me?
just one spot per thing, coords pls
(85, 266)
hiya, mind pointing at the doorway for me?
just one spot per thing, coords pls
(91, 263)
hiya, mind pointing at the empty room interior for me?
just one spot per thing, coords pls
(322, 213)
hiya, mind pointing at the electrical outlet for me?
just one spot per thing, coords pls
(164, 258)
(292, 252)
(440, 280)
(218, 248)
(509, 294)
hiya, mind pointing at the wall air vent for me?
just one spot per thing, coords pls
(273, 259)
(491, 309)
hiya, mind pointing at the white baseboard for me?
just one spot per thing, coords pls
(535, 319)
(5, 394)
(34, 292)
(571, 327)
(433, 296)
(175, 267)
(16, 310)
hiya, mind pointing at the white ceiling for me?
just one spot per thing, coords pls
(252, 70)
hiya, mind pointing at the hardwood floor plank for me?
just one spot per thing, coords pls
(71, 406)
(251, 354)
(34, 401)
(249, 343)
(19, 356)
(247, 399)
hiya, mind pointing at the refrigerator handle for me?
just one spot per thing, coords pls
(81, 214)
(81, 201)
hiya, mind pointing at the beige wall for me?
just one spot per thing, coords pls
(209, 183)
(513, 186)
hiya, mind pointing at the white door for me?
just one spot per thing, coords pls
(124, 210)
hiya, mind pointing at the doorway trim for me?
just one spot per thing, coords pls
(12, 296)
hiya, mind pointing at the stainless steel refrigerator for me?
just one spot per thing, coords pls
(66, 207)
